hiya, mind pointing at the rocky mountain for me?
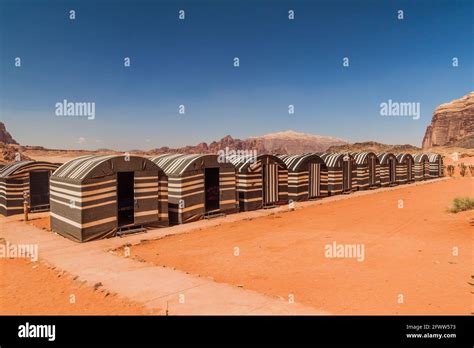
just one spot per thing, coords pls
(5, 137)
(288, 142)
(373, 146)
(452, 124)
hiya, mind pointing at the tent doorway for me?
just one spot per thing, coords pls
(270, 184)
(392, 167)
(372, 169)
(346, 175)
(211, 189)
(314, 180)
(39, 189)
(125, 198)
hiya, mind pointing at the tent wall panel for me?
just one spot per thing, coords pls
(307, 176)
(436, 165)
(405, 168)
(186, 185)
(422, 167)
(250, 180)
(388, 169)
(340, 179)
(84, 196)
(367, 173)
(15, 182)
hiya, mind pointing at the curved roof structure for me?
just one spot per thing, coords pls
(243, 163)
(21, 167)
(297, 162)
(383, 157)
(85, 167)
(177, 164)
(361, 157)
(434, 157)
(421, 157)
(401, 157)
(331, 158)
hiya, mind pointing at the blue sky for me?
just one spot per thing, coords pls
(190, 62)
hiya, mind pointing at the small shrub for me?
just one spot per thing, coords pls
(462, 169)
(471, 169)
(450, 169)
(461, 204)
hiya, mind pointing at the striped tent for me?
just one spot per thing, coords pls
(405, 168)
(307, 176)
(388, 169)
(436, 165)
(25, 178)
(262, 181)
(199, 185)
(422, 166)
(93, 197)
(341, 172)
(368, 170)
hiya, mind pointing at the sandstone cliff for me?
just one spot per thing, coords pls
(5, 137)
(452, 124)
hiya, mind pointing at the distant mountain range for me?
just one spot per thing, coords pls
(288, 142)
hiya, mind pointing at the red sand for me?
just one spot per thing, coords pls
(408, 252)
(32, 288)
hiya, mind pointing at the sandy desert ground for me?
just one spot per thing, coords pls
(408, 251)
(32, 288)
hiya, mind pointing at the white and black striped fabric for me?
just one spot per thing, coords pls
(186, 189)
(84, 203)
(252, 184)
(307, 176)
(15, 184)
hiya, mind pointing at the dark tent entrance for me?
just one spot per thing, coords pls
(392, 167)
(211, 189)
(346, 175)
(39, 190)
(314, 184)
(125, 199)
(409, 170)
(270, 184)
(372, 171)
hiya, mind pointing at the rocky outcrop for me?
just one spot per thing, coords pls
(288, 142)
(5, 137)
(451, 123)
(373, 146)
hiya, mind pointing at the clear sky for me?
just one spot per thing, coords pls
(190, 62)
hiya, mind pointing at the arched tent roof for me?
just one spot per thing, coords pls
(331, 158)
(401, 157)
(420, 157)
(20, 167)
(297, 162)
(177, 164)
(92, 166)
(361, 157)
(384, 157)
(434, 157)
(243, 163)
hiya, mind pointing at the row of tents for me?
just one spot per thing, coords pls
(93, 197)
